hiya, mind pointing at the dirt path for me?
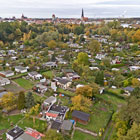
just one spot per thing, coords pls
(86, 131)
(107, 129)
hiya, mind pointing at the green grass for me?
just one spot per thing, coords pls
(113, 100)
(18, 75)
(39, 125)
(49, 74)
(66, 92)
(115, 91)
(99, 117)
(83, 136)
(5, 124)
(26, 84)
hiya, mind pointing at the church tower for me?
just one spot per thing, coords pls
(82, 16)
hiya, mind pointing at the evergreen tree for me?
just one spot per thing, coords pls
(30, 100)
(21, 101)
(100, 78)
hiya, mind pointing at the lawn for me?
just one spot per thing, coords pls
(100, 116)
(66, 92)
(39, 125)
(26, 84)
(115, 91)
(6, 121)
(49, 74)
(83, 136)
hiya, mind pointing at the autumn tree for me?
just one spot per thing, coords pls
(21, 101)
(135, 82)
(86, 91)
(133, 133)
(52, 44)
(81, 103)
(82, 59)
(94, 46)
(9, 101)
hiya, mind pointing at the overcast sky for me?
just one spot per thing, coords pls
(70, 8)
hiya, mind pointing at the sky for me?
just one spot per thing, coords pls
(70, 8)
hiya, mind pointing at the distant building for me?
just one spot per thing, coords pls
(83, 18)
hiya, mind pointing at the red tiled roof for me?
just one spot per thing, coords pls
(34, 133)
(51, 115)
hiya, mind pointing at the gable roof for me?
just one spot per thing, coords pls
(80, 115)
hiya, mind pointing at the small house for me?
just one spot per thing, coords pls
(80, 117)
(35, 75)
(14, 133)
(6, 73)
(20, 69)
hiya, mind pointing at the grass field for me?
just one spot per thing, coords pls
(6, 121)
(83, 136)
(99, 118)
(26, 84)
(49, 74)
(39, 124)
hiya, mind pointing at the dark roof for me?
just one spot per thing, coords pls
(63, 81)
(81, 115)
(16, 132)
(56, 125)
(58, 108)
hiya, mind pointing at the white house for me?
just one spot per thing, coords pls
(6, 73)
(35, 75)
(134, 68)
(4, 81)
(20, 69)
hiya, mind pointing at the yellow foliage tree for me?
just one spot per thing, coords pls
(81, 103)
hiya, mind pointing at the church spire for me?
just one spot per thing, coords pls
(82, 13)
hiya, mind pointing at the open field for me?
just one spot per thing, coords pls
(26, 84)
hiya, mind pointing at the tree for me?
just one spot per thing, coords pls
(95, 88)
(53, 135)
(52, 44)
(86, 91)
(136, 92)
(133, 133)
(94, 46)
(29, 100)
(118, 81)
(131, 111)
(82, 59)
(9, 101)
(107, 62)
(79, 30)
(135, 82)
(34, 111)
(136, 36)
(21, 101)
(99, 79)
(81, 103)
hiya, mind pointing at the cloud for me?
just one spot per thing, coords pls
(69, 8)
